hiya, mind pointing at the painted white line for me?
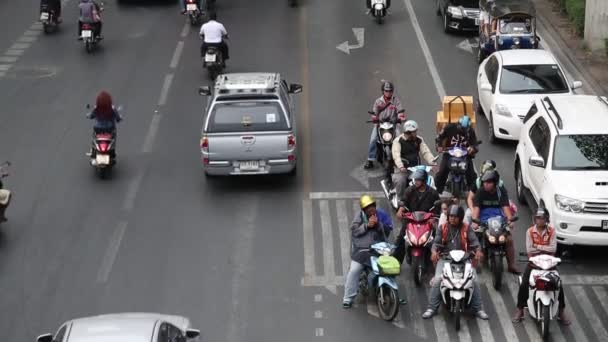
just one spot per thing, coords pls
(32, 33)
(344, 195)
(176, 55)
(37, 26)
(318, 298)
(164, 92)
(575, 327)
(10, 52)
(463, 333)
(20, 46)
(185, 30)
(318, 314)
(132, 190)
(416, 307)
(328, 241)
(27, 39)
(569, 279)
(528, 323)
(485, 331)
(309, 242)
(8, 59)
(319, 332)
(110, 256)
(5, 67)
(590, 313)
(2, 73)
(344, 229)
(441, 328)
(149, 141)
(504, 316)
(425, 50)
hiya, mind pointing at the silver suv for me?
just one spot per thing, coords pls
(250, 125)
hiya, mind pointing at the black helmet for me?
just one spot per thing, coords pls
(420, 174)
(487, 165)
(387, 86)
(456, 210)
(491, 176)
(542, 212)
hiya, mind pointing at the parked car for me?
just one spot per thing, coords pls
(561, 164)
(459, 15)
(509, 81)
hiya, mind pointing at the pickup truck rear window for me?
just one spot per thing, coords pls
(247, 116)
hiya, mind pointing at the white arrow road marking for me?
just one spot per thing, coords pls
(468, 44)
(363, 176)
(359, 35)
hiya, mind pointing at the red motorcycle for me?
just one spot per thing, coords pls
(419, 237)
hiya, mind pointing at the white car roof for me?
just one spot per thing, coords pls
(526, 57)
(581, 114)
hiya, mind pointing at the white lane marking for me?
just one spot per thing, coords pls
(27, 39)
(11, 52)
(112, 251)
(329, 271)
(485, 330)
(132, 190)
(528, 323)
(319, 332)
(177, 54)
(463, 334)
(577, 279)
(425, 50)
(309, 243)
(2, 73)
(5, 67)
(318, 314)
(318, 298)
(185, 30)
(602, 296)
(37, 26)
(164, 92)
(575, 327)
(441, 328)
(590, 313)
(344, 234)
(20, 46)
(8, 59)
(344, 195)
(152, 130)
(32, 33)
(504, 317)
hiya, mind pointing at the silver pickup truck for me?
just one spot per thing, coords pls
(249, 125)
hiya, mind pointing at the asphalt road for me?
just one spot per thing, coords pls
(256, 259)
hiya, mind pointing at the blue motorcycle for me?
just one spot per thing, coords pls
(379, 276)
(458, 161)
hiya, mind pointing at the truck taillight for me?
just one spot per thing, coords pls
(291, 141)
(205, 144)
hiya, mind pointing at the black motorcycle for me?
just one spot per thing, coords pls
(195, 14)
(213, 61)
(48, 18)
(493, 236)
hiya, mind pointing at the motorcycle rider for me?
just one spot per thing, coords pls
(371, 225)
(454, 235)
(52, 6)
(408, 150)
(418, 197)
(368, 4)
(485, 166)
(90, 13)
(490, 200)
(387, 107)
(213, 34)
(199, 3)
(461, 135)
(105, 116)
(540, 239)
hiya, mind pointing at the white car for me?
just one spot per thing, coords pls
(509, 81)
(562, 162)
(125, 327)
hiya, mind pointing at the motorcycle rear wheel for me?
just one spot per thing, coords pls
(387, 300)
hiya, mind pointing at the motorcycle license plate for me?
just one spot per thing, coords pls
(604, 224)
(103, 159)
(249, 165)
(210, 58)
(44, 16)
(87, 33)
(191, 7)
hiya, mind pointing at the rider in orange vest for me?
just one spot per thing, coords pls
(540, 239)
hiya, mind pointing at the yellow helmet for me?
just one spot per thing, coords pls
(365, 201)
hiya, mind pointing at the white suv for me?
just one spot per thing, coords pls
(562, 161)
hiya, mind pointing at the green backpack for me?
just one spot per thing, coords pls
(388, 265)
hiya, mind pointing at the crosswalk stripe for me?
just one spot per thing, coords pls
(528, 323)
(575, 327)
(590, 313)
(504, 317)
(602, 296)
(486, 332)
(463, 334)
(577, 279)
(414, 307)
(441, 328)
(344, 234)
(343, 195)
(308, 238)
(328, 241)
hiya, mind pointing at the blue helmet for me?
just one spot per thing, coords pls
(464, 121)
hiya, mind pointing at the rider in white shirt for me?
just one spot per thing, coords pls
(213, 34)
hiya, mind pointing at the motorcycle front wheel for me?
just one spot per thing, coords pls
(457, 312)
(496, 267)
(417, 269)
(388, 302)
(545, 321)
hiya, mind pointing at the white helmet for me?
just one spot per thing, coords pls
(410, 126)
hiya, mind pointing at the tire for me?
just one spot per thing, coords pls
(193, 20)
(446, 28)
(293, 3)
(363, 285)
(212, 73)
(438, 12)
(457, 312)
(388, 307)
(88, 46)
(379, 19)
(47, 28)
(103, 173)
(481, 55)
(545, 321)
(520, 187)
(479, 109)
(496, 267)
(417, 271)
(491, 136)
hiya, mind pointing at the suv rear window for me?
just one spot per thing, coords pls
(581, 152)
(247, 116)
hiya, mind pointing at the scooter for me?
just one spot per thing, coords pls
(386, 133)
(419, 237)
(213, 61)
(378, 9)
(194, 13)
(492, 236)
(380, 276)
(458, 161)
(103, 151)
(457, 284)
(5, 195)
(543, 300)
(390, 192)
(48, 19)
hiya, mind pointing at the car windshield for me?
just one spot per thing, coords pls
(532, 79)
(515, 26)
(581, 152)
(247, 116)
(467, 3)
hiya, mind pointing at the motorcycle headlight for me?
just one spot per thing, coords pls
(503, 110)
(456, 12)
(454, 164)
(462, 165)
(569, 204)
(492, 239)
(387, 136)
(502, 239)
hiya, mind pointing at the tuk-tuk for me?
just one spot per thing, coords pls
(506, 24)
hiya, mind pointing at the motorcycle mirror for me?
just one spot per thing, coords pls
(204, 91)
(370, 112)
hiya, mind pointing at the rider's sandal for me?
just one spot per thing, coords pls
(347, 305)
(429, 313)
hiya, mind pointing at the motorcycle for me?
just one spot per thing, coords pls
(5, 195)
(390, 192)
(48, 19)
(543, 300)
(378, 9)
(89, 38)
(492, 236)
(213, 61)
(419, 237)
(194, 13)
(380, 277)
(103, 152)
(457, 283)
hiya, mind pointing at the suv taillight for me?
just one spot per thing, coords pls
(204, 144)
(291, 141)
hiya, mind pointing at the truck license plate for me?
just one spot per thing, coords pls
(249, 165)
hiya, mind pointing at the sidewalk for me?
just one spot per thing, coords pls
(557, 36)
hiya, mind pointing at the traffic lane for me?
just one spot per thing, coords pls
(16, 16)
(344, 87)
(63, 203)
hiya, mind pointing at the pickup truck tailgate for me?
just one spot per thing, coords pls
(249, 146)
